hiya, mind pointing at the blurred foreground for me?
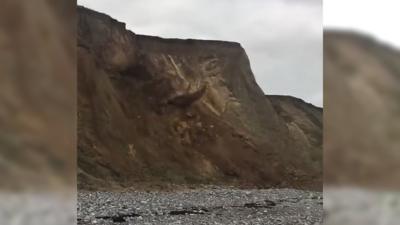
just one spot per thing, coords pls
(361, 130)
(357, 206)
(37, 112)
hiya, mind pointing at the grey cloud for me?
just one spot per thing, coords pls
(283, 38)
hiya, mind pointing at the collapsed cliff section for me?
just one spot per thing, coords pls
(176, 111)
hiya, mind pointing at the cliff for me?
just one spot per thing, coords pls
(305, 124)
(178, 111)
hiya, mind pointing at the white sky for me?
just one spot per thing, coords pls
(283, 38)
(379, 18)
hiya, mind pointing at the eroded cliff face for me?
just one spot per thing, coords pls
(181, 111)
(305, 124)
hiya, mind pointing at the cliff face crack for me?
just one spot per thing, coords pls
(185, 100)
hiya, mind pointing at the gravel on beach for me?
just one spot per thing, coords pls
(205, 206)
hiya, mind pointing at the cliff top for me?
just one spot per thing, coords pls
(190, 41)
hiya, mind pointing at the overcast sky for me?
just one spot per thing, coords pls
(380, 18)
(283, 38)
